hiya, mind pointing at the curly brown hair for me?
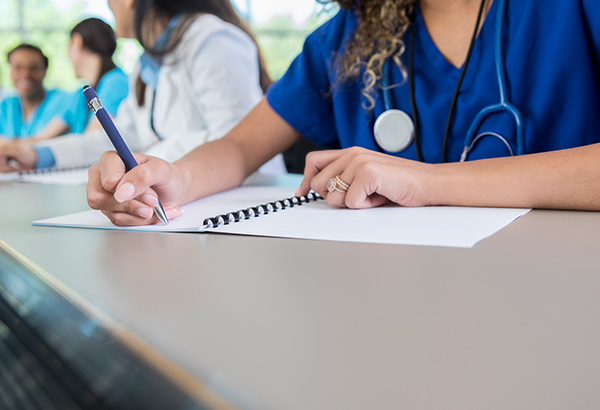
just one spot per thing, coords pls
(381, 26)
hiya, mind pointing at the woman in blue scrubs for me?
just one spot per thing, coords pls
(443, 71)
(93, 43)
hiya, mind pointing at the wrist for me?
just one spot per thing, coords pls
(186, 180)
(441, 184)
(42, 157)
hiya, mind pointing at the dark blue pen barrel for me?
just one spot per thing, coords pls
(118, 143)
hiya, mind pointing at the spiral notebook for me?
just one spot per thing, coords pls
(275, 212)
(76, 175)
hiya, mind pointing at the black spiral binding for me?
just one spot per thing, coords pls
(263, 209)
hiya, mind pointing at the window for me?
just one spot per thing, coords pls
(280, 28)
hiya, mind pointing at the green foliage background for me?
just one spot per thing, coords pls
(48, 27)
(280, 41)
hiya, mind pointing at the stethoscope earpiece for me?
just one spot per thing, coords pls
(394, 130)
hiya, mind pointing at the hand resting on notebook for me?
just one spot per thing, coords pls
(373, 178)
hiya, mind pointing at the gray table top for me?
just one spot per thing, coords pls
(297, 324)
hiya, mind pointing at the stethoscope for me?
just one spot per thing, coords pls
(395, 131)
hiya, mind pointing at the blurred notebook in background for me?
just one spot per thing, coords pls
(63, 176)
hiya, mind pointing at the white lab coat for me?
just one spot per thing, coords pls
(205, 87)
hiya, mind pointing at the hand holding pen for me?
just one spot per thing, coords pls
(122, 149)
(125, 197)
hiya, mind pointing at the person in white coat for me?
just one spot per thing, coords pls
(201, 73)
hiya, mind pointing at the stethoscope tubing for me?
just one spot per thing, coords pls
(385, 84)
(503, 106)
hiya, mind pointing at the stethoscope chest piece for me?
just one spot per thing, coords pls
(394, 130)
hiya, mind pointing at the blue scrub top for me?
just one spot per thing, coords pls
(112, 89)
(11, 115)
(552, 60)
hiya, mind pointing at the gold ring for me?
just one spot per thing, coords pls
(336, 184)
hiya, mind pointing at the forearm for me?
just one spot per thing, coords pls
(226, 162)
(567, 179)
(79, 149)
(94, 124)
(55, 128)
(215, 166)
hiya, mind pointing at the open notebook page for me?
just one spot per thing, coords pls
(433, 226)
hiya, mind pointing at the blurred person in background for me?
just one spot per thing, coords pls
(201, 73)
(2, 95)
(93, 43)
(33, 107)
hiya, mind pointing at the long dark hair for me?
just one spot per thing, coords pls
(99, 38)
(149, 11)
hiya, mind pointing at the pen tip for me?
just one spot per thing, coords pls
(161, 214)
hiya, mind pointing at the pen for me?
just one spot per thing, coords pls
(115, 137)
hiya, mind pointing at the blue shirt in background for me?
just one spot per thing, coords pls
(12, 124)
(552, 60)
(111, 90)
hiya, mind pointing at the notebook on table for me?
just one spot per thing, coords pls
(275, 212)
(76, 175)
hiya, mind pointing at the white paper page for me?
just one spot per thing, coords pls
(431, 226)
(62, 177)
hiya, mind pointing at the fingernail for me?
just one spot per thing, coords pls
(150, 200)
(173, 212)
(125, 192)
(145, 213)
